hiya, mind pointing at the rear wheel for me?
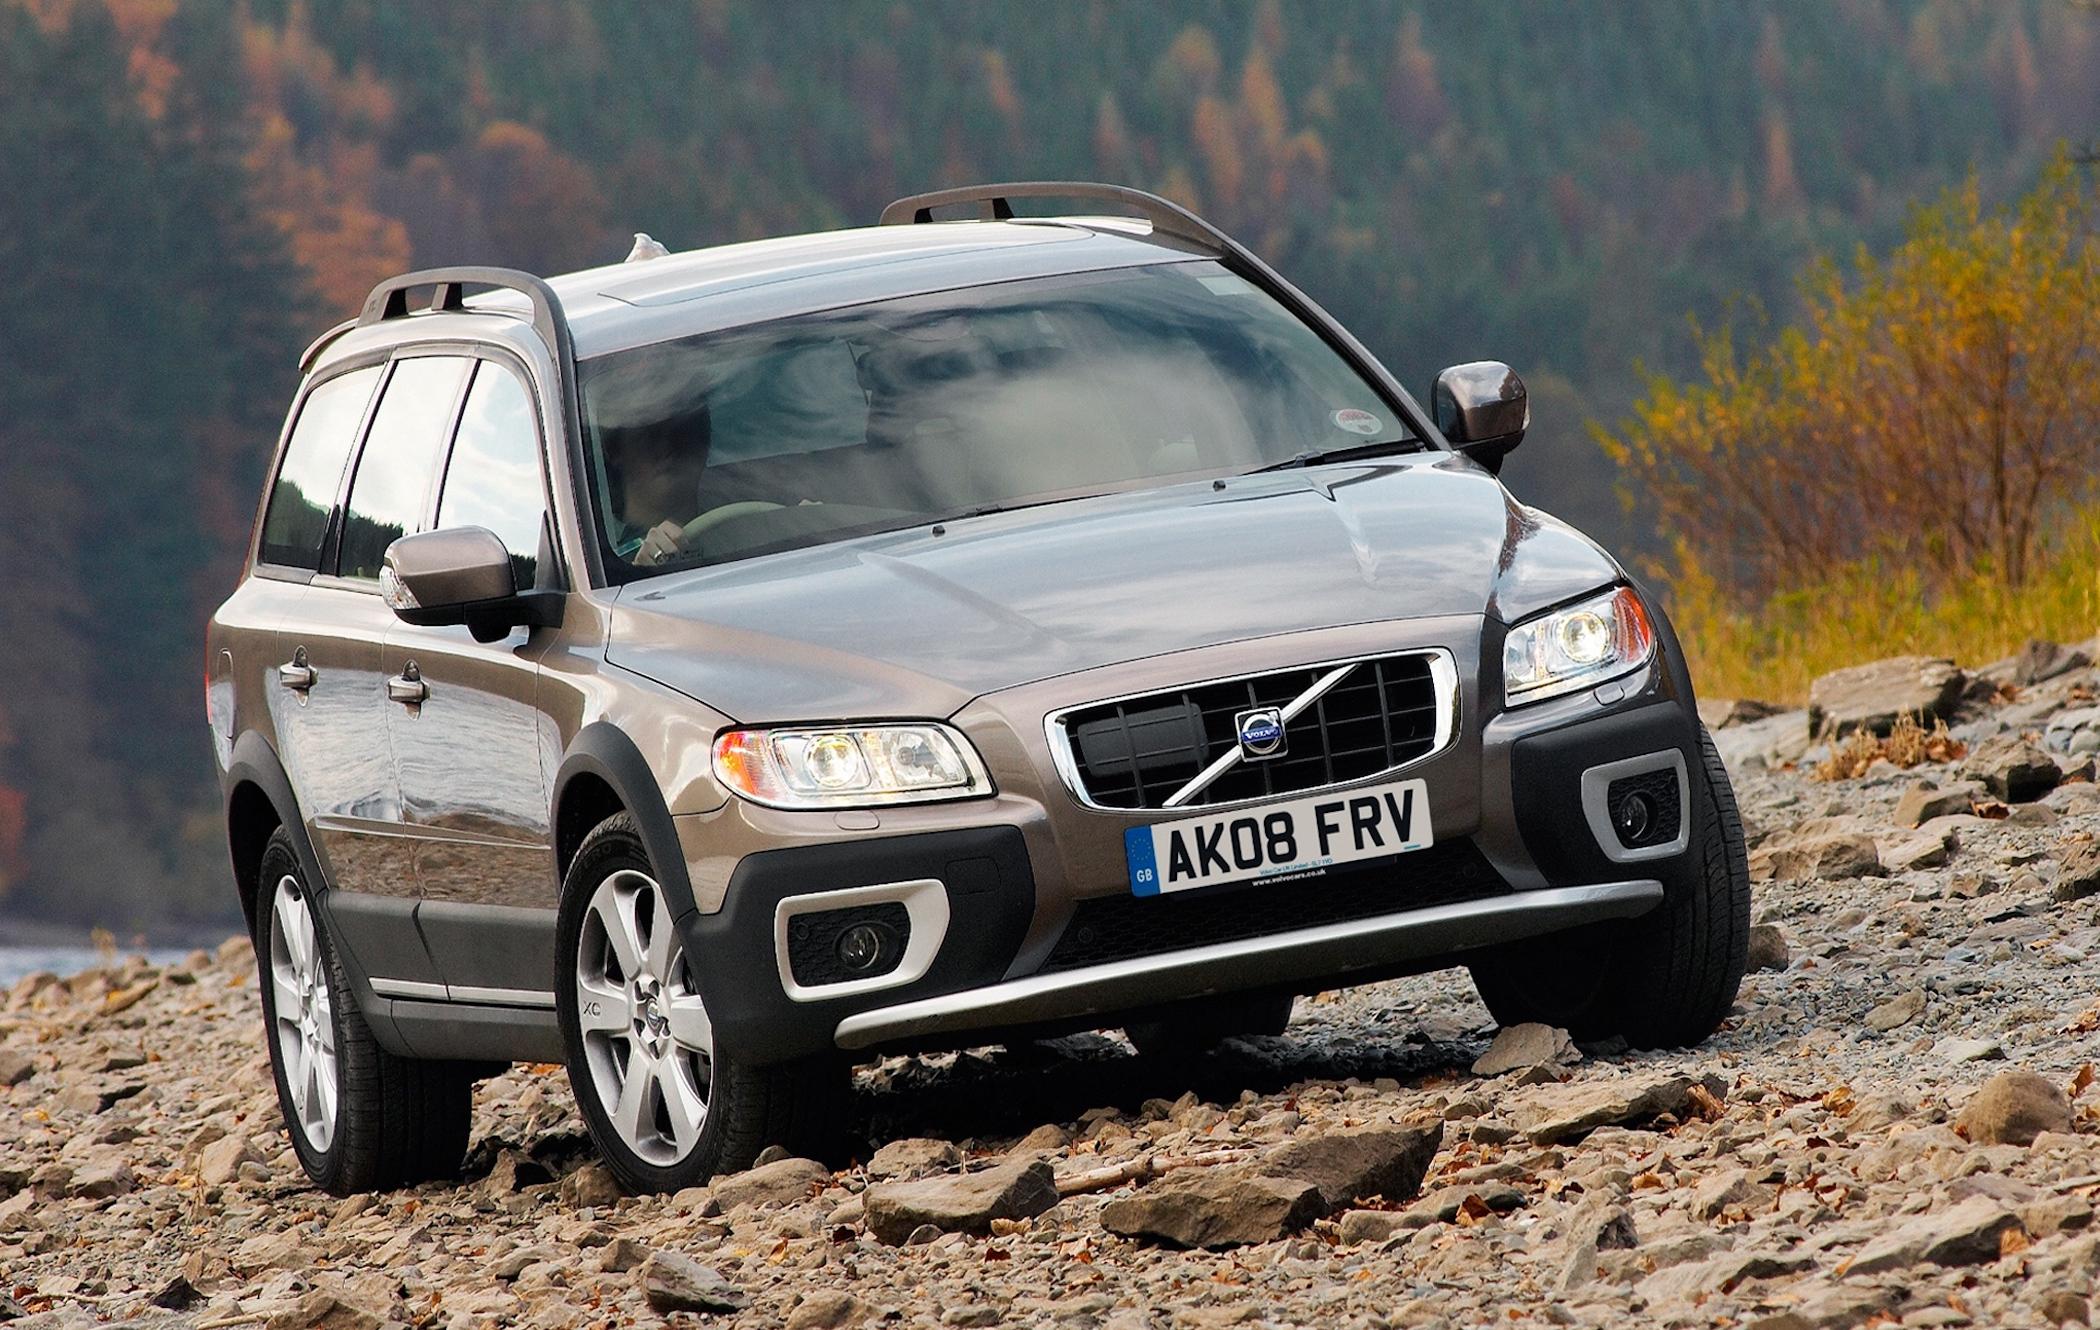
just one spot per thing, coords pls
(1203, 1024)
(666, 1108)
(1666, 979)
(360, 1118)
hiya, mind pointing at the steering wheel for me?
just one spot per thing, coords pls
(727, 512)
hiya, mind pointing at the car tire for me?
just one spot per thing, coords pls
(1664, 980)
(1196, 1027)
(665, 1108)
(360, 1118)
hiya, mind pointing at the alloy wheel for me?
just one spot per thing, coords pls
(304, 1028)
(647, 1039)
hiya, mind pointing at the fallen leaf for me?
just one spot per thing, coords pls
(2013, 1240)
(2082, 1079)
(1706, 1105)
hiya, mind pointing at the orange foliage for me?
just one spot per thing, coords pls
(1934, 411)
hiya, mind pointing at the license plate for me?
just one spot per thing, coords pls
(1279, 840)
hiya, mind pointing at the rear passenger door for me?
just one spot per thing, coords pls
(337, 749)
(465, 726)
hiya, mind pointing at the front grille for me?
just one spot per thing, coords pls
(1115, 928)
(1137, 752)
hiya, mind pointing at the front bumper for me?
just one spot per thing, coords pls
(1022, 871)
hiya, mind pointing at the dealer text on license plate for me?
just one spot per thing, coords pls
(1278, 840)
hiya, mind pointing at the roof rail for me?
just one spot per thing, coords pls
(993, 203)
(389, 300)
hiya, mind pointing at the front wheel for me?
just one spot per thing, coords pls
(360, 1118)
(666, 1108)
(1664, 980)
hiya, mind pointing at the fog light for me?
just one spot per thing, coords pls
(1636, 815)
(862, 946)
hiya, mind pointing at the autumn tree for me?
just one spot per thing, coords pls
(1936, 408)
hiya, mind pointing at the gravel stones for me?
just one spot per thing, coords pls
(2079, 875)
(1873, 695)
(592, 1185)
(2013, 1108)
(961, 1203)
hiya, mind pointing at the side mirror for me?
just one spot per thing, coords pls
(462, 575)
(1483, 409)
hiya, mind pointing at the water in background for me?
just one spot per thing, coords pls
(18, 961)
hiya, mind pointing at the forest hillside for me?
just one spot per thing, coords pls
(196, 189)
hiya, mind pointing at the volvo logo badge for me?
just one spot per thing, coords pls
(1260, 732)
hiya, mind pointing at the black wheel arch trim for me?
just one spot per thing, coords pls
(254, 762)
(602, 750)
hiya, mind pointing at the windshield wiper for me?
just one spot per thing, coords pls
(1354, 452)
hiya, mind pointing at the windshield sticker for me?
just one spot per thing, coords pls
(1357, 421)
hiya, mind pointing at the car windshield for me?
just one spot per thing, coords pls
(906, 412)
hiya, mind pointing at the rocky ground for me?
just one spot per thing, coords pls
(1893, 1128)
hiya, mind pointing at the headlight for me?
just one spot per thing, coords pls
(850, 766)
(1575, 646)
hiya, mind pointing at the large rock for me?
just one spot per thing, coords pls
(1872, 696)
(1379, 1160)
(2012, 769)
(1897, 1012)
(1768, 743)
(1521, 1047)
(914, 1157)
(2040, 661)
(2078, 876)
(1216, 1207)
(1964, 1234)
(591, 1185)
(1768, 948)
(2013, 1108)
(1928, 799)
(1551, 1114)
(782, 1182)
(1829, 855)
(674, 1283)
(325, 1309)
(220, 1162)
(961, 1203)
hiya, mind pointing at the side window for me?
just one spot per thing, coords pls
(400, 456)
(296, 520)
(494, 479)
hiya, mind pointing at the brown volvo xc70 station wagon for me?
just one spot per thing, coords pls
(712, 669)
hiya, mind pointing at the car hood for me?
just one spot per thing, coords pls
(913, 624)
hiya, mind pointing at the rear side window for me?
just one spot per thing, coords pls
(399, 459)
(493, 480)
(296, 520)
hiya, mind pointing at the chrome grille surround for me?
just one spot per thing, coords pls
(1327, 675)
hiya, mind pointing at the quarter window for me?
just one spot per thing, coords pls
(493, 480)
(296, 521)
(399, 459)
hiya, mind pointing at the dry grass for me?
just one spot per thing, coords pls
(1867, 611)
(1906, 744)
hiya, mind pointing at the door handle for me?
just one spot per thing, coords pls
(408, 687)
(296, 674)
